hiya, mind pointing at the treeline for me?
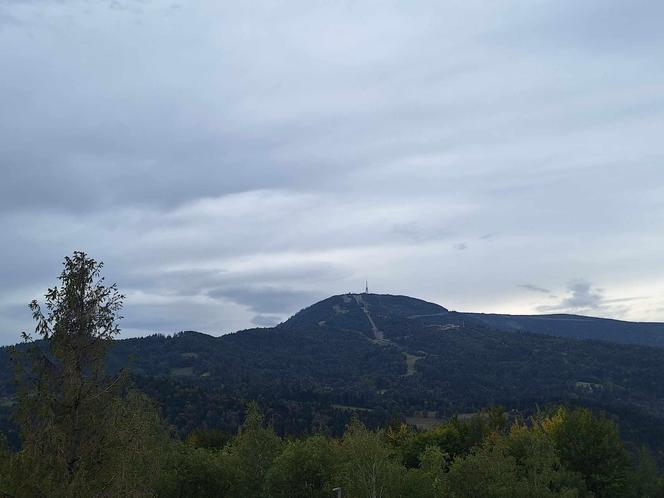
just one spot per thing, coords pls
(88, 434)
(565, 453)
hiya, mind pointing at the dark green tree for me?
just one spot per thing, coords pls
(303, 470)
(193, 473)
(369, 468)
(426, 481)
(521, 465)
(250, 455)
(591, 446)
(82, 434)
(644, 482)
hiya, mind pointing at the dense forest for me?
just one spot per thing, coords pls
(90, 422)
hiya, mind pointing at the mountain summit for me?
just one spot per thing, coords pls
(381, 316)
(370, 314)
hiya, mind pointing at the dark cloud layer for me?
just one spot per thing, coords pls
(233, 161)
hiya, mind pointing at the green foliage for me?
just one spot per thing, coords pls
(303, 469)
(520, 462)
(190, 472)
(83, 434)
(368, 468)
(644, 481)
(521, 465)
(211, 439)
(591, 446)
(454, 437)
(251, 454)
(427, 480)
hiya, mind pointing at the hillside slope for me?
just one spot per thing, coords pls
(386, 357)
(578, 327)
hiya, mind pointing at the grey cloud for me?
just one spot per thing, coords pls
(584, 298)
(266, 320)
(7, 20)
(581, 297)
(267, 300)
(184, 283)
(461, 246)
(418, 232)
(263, 291)
(613, 24)
(175, 316)
(534, 288)
(261, 151)
(594, 25)
(195, 282)
(15, 319)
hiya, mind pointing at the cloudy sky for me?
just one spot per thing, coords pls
(234, 161)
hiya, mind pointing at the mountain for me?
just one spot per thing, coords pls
(578, 327)
(385, 358)
(388, 309)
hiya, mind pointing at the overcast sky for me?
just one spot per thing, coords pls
(234, 161)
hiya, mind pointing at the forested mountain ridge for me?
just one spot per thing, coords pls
(578, 327)
(384, 358)
(392, 307)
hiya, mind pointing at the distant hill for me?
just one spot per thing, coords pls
(578, 327)
(388, 358)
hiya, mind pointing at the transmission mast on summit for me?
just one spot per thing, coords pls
(366, 287)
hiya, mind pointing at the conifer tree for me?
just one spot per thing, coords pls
(79, 428)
